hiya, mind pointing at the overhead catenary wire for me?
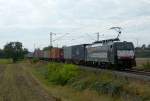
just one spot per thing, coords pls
(85, 36)
(59, 38)
(76, 39)
(90, 37)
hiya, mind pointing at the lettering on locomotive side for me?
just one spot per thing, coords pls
(97, 49)
(99, 55)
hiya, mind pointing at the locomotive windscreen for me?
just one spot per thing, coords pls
(124, 46)
(125, 50)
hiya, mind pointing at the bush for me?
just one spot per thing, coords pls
(102, 83)
(111, 88)
(61, 73)
(35, 60)
(82, 83)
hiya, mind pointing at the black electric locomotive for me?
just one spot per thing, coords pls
(111, 53)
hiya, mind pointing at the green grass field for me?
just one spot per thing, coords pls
(5, 61)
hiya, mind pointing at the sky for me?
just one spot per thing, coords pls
(73, 21)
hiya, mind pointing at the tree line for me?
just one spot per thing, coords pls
(143, 51)
(144, 46)
(13, 50)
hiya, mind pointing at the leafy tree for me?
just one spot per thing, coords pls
(47, 48)
(148, 46)
(143, 46)
(2, 54)
(14, 50)
(25, 51)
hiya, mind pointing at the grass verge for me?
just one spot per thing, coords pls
(143, 64)
(72, 84)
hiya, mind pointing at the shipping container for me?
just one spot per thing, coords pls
(46, 54)
(56, 53)
(67, 53)
(78, 52)
(75, 53)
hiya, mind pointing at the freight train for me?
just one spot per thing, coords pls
(104, 54)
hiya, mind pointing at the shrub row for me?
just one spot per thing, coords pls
(58, 73)
(62, 74)
(101, 82)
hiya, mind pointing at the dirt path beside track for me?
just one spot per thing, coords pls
(16, 84)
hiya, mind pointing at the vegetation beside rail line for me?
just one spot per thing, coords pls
(73, 80)
(146, 66)
(143, 64)
(104, 83)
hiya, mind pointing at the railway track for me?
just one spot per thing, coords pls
(138, 72)
(129, 73)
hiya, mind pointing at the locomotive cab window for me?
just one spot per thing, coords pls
(124, 46)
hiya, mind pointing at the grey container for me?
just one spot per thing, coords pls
(79, 52)
(46, 54)
(29, 55)
(76, 52)
(67, 53)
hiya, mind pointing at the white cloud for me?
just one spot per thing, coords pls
(32, 17)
